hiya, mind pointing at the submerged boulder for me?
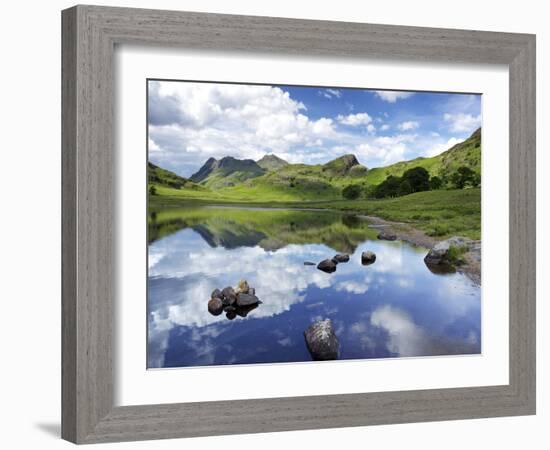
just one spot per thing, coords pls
(386, 236)
(367, 258)
(229, 296)
(327, 265)
(247, 299)
(448, 251)
(216, 293)
(215, 306)
(341, 258)
(321, 341)
(309, 263)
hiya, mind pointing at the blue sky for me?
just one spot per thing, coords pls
(189, 122)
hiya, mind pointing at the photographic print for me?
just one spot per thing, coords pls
(301, 223)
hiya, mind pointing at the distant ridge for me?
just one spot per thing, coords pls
(271, 162)
(227, 171)
(274, 178)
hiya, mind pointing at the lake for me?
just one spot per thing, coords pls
(395, 307)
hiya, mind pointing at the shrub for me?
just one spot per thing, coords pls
(152, 190)
(455, 254)
(351, 192)
(435, 183)
(464, 176)
(439, 230)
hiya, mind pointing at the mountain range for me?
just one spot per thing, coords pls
(273, 177)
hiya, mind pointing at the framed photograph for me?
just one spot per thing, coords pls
(277, 224)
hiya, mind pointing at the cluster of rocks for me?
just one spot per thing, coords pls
(234, 302)
(321, 341)
(329, 265)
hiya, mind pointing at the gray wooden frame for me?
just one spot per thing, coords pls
(89, 36)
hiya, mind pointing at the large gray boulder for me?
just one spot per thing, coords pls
(321, 341)
(367, 258)
(246, 299)
(327, 265)
(439, 254)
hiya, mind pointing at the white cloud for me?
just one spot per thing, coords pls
(371, 128)
(409, 125)
(355, 120)
(461, 122)
(393, 96)
(384, 150)
(330, 93)
(405, 337)
(227, 120)
(441, 147)
(385, 127)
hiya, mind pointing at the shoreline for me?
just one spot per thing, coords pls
(407, 233)
(402, 230)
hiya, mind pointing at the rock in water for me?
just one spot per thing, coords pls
(367, 258)
(321, 341)
(215, 306)
(341, 258)
(216, 293)
(247, 299)
(243, 311)
(440, 251)
(386, 236)
(309, 263)
(328, 265)
(229, 296)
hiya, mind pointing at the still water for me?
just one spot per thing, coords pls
(395, 307)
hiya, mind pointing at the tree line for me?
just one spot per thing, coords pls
(416, 179)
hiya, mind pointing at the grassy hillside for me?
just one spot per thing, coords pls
(271, 162)
(226, 172)
(441, 213)
(467, 153)
(230, 179)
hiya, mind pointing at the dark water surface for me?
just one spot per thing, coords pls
(394, 307)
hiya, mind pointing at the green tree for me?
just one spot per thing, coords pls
(435, 183)
(418, 178)
(388, 188)
(464, 176)
(152, 190)
(405, 188)
(351, 192)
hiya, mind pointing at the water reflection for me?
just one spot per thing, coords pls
(394, 307)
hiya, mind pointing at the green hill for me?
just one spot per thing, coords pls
(271, 162)
(158, 175)
(228, 171)
(467, 153)
(273, 179)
